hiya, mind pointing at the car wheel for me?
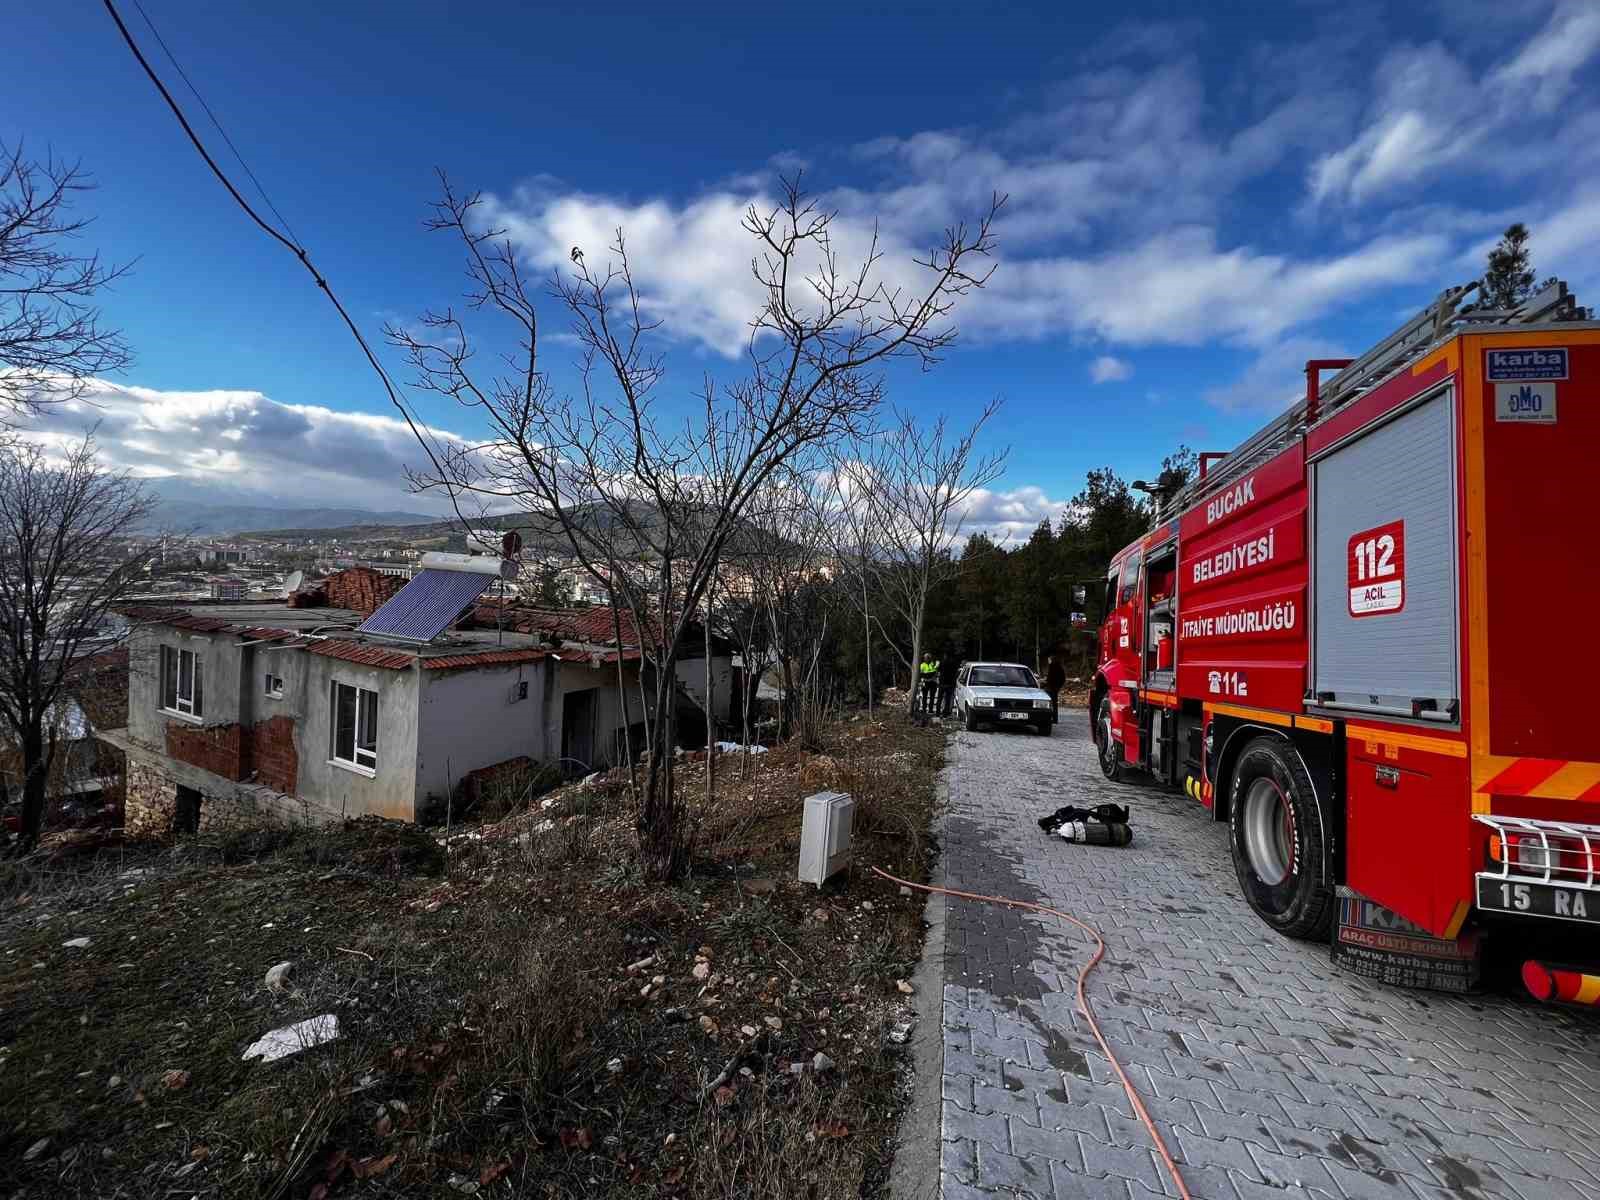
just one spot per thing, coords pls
(1109, 752)
(971, 719)
(1275, 834)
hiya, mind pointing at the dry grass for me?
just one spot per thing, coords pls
(492, 1035)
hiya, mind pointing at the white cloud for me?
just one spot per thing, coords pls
(1274, 380)
(1010, 515)
(1109, 369)
(1180, 288)
(1430, 113)
(246, 447)
(1122, 159)
(1547, 62)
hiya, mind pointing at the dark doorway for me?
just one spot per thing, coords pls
(186, 814)
(577, 731)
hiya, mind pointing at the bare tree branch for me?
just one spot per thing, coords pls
(51, 337)
(64, 562)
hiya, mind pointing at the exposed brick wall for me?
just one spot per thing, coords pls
(270, 753)
(361, 589)
(234, 752)
(215, 748)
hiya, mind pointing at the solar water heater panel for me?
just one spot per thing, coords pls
(426, 606)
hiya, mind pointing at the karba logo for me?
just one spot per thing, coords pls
(1230, 500)
(1527, 358)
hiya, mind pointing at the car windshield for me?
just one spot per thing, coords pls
(1001, 677)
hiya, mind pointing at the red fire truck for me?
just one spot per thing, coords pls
(1363, 638)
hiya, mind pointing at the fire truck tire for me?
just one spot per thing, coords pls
(1110, 753)
(1275, 834)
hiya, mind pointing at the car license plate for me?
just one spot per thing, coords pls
(1538, 899)
(1013, 716)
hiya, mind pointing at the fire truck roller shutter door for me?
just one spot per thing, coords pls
(1387, 599)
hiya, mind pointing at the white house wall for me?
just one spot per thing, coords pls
(470, 719)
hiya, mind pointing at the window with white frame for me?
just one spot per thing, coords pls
(355, 727)
(181, 690)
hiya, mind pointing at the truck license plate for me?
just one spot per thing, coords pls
(1013, 716)
(1538, 899)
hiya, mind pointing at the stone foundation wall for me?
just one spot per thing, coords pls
(225, 807)
(152, 800)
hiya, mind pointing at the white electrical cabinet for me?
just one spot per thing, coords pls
(825, 835)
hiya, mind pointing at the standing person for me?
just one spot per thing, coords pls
(1055, 678)
(927, 683)
(947, 685)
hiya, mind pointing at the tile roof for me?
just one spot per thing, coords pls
(363, 652)
(592, 626)
(481, 658)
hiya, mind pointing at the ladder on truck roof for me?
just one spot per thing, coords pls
(1440, 321)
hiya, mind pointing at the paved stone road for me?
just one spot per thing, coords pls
(1270, 1073)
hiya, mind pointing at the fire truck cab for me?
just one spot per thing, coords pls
(1365, 637)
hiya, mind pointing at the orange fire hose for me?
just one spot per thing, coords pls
(1083, 1005)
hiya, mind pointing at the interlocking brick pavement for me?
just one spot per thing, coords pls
(1270, 1073)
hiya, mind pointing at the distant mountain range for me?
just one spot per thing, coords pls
(189, 511)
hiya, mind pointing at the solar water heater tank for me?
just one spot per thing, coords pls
(825, 834)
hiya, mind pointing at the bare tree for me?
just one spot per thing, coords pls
(919, 478)
(64, 562)
(781, 555)
(647, 504)
(51, 336)
(849, 516)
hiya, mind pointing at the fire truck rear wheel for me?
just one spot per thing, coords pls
(1276, 839)
(1110, 753)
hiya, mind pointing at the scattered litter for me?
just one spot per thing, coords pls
(905, 891)
(78, 943)
(35, 1150)
(175, 1080)
(702, 970)
(748, 1030)
(291, 1039)
(905, 986)
(735, 748)
(774, 1023)
(900, 1032)
(709, 1026)
(820, 1062)
(614, 1066)
(277, 979)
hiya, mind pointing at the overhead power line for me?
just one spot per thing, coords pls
(184, 75)
(287, 242)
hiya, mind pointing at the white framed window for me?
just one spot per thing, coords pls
(181, 689)
(355, 727)
(274, 686)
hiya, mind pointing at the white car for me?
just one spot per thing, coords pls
(1002, 694)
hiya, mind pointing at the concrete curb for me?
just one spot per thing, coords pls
(914, 1174)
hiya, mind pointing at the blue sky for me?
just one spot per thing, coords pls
(1196, 205)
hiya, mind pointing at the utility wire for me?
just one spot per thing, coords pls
(298, 251)
(182, 74)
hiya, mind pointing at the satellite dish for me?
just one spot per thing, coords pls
(292, 584)
(511, 544)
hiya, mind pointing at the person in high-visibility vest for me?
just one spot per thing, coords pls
(928, 683)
